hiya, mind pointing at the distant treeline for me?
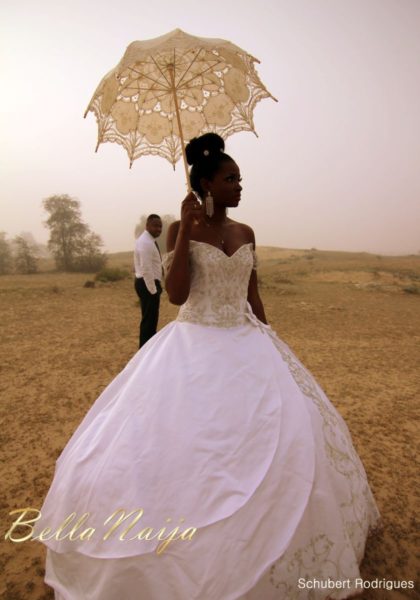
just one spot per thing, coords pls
(72, 244)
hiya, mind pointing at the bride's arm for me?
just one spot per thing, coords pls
(253, 293)
(177, 281)
(254, 298)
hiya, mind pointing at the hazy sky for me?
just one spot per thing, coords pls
(337, 161)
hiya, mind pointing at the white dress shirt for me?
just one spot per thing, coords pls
(147, 261)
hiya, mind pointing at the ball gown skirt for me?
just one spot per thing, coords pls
(215, 431)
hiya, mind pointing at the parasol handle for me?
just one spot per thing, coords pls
(178, 119)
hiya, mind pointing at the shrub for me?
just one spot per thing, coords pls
(412, 289)
(111, 274)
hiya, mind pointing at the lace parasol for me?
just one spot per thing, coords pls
(169, 89)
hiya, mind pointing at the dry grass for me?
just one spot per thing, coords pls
(345, 315)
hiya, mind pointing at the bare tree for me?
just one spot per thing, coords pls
(74, 246)
(5, 255)
(25, 256)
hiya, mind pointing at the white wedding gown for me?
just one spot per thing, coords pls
(216, 422)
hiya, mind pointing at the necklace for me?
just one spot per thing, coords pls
(222, 241)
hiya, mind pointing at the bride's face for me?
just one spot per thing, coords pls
(225, 187)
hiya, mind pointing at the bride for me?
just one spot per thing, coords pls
(213, 467)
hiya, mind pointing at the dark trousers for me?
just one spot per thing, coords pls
(149, 309)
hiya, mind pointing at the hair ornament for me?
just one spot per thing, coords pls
(206, 152)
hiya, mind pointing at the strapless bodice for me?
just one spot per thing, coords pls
(219, 284)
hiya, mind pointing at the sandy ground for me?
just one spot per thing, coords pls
(353, 319)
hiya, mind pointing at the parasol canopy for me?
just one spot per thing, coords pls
(169, 89)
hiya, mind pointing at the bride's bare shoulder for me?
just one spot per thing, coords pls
(245, 231)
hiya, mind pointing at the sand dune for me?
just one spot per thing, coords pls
(353, 319)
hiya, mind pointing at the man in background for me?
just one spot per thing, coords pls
(148, 268)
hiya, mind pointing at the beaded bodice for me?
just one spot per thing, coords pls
(219, 285)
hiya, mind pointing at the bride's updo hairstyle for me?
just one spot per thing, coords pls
(205, 154)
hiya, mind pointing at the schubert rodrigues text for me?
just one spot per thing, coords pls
(74, 528)
(356, 583)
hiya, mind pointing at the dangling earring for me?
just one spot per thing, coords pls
(209, 204)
